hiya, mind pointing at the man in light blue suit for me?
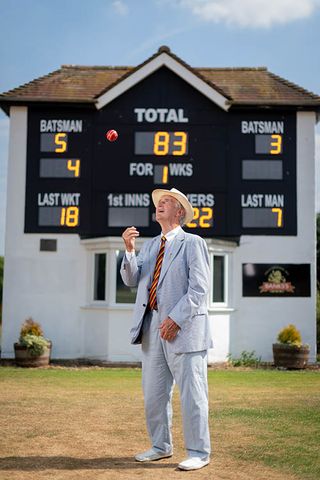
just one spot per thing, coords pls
(170, 321)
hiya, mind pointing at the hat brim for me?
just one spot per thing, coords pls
(159, 192)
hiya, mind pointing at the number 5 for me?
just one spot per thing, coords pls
(62, 144)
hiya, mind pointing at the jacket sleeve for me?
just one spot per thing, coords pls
(130, 270)
(194, 301)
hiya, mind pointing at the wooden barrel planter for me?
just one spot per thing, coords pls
(23, 357)
(290, 356)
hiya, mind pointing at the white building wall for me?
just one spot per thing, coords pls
(55, 288)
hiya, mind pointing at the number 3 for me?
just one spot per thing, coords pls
(276, 146)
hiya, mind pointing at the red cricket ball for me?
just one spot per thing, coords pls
(112, 135)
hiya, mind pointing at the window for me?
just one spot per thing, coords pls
(124, 294)
(99, 286)
(219, 283)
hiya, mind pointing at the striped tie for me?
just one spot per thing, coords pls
(157, 269)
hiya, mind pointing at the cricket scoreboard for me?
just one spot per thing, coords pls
(237, 167)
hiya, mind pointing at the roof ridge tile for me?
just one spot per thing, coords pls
(232, 69)
(94, 67)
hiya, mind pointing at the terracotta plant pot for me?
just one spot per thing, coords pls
(24, 358)
(290, 356)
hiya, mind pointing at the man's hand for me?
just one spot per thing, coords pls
(129, 238)
(168, 329)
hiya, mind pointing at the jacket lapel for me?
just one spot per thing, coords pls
(174, 250)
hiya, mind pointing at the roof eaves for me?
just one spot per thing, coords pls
(294, 86)
(271, 104)
(32, 82)
(25, 100)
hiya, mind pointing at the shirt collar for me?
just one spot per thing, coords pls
(172, 234)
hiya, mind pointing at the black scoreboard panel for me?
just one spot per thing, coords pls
(238, 169)
(58, 179)
(262, 179)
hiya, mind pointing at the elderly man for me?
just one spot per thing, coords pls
(171, 323)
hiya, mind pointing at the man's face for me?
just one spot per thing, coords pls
(168, 209)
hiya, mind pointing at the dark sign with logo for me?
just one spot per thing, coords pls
(276, 280)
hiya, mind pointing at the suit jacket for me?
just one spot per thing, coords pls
(181, 292)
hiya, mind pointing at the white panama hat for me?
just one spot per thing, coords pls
(159, 192)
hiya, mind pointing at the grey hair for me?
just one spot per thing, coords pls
(183, 216)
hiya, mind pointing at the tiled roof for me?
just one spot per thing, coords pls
(71, 83)
(84, 84)
(258, 86)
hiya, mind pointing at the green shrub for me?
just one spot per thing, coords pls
(290, 335)
(246, 359)
(35, 344)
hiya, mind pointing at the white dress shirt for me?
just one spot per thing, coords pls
(169, 237)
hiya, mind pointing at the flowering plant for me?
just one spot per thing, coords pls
(31, 336)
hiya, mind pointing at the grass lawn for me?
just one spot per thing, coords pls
(87, 423)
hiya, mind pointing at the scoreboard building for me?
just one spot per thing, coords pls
(239, 142)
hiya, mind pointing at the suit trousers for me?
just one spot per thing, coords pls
(161, 369)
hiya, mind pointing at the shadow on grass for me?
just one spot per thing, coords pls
(37, 463)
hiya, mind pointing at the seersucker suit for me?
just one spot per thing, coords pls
(181, 295)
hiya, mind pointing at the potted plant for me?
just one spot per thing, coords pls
(290, 352)
(32, 349)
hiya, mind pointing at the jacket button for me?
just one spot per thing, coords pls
(144, 305)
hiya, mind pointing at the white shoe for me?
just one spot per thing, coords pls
(194, 463)
(151, 455)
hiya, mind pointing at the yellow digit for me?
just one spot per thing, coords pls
(205, 217)
(165, 174)
(181, 144)
(193, 224)
(72, 216)
(58, 140)
(161, 143)
(278, 211)
(276, 146)
(63, 216)
(69, 216)
(74, 167)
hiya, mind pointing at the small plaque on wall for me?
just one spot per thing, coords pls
(48, 245)
(276, 280)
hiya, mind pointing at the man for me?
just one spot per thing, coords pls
(171, 323)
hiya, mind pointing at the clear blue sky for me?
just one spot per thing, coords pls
(37, 36)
